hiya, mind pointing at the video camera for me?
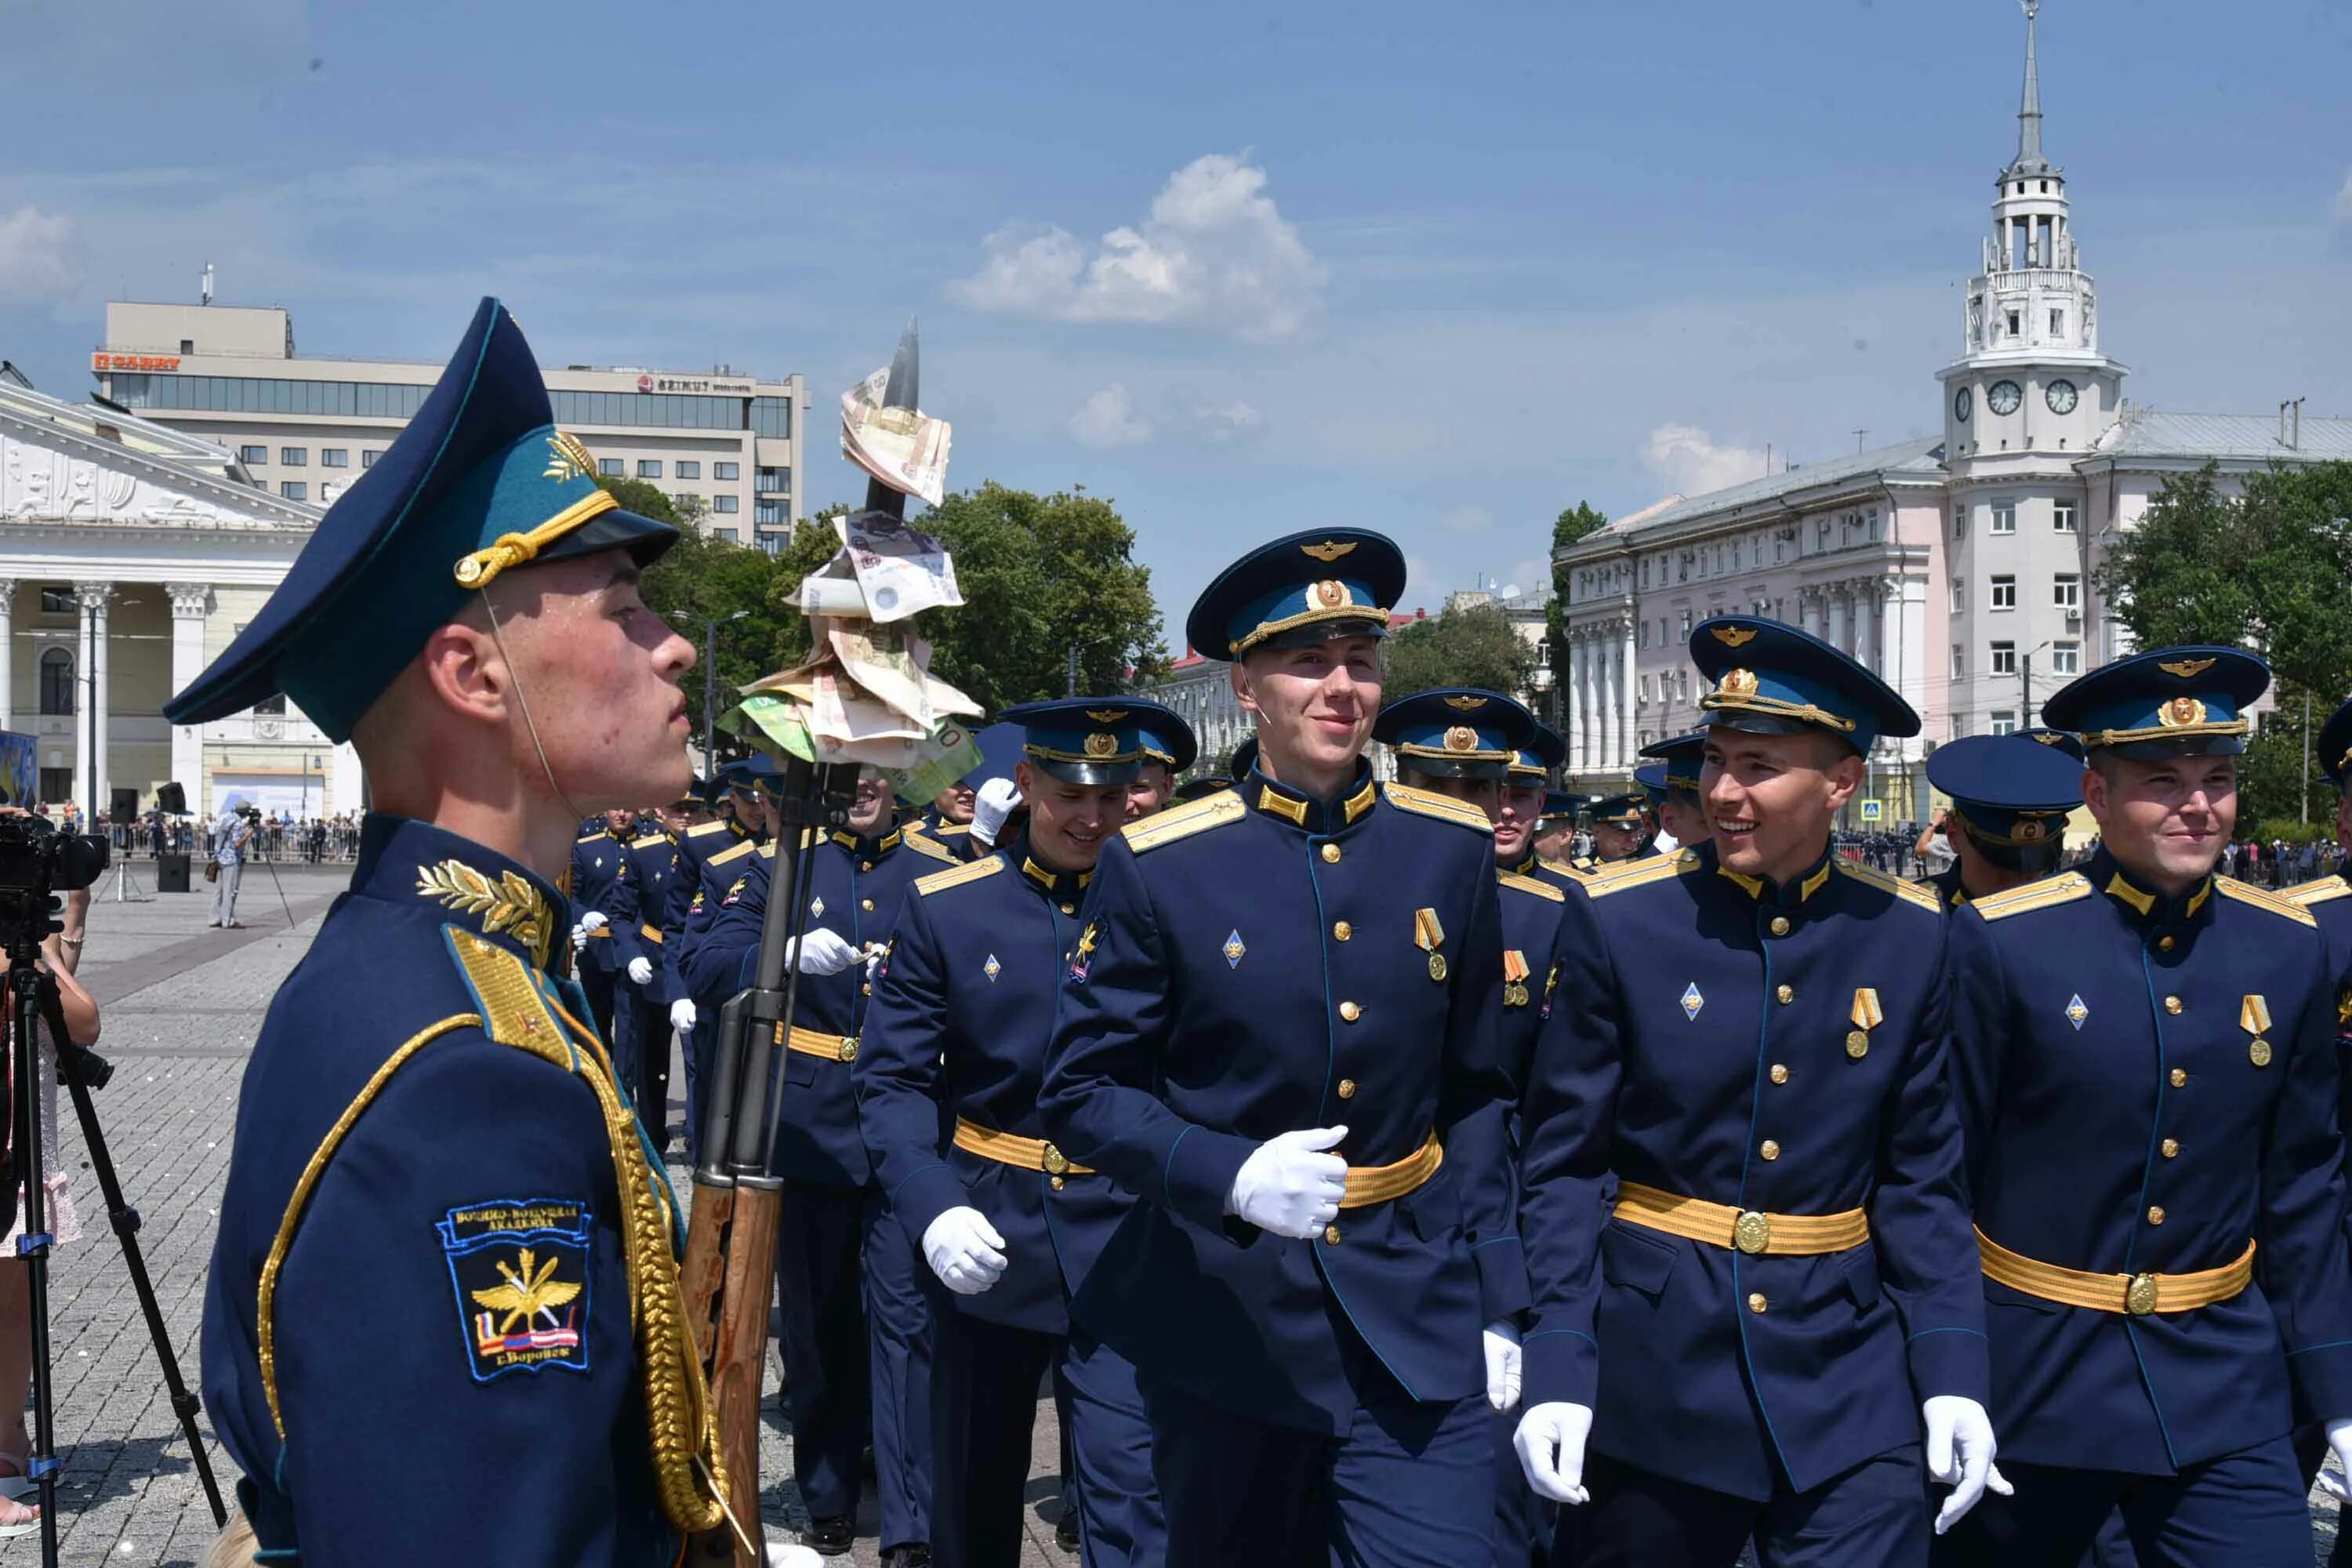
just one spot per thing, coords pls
(35, 857)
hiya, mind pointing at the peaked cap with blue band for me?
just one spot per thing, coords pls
(749, 775)
(2010, 789)
(2169, 703)
(479, 482)
(1622, 810)
(1167, 738)
(1245, 757)
(1537, 759)
(1083, 739)
(2335, 744)
(1561, 806)
(1773, 680)
(1652, 777)
(1455, 732)
(1302, 589)
(1682, 756)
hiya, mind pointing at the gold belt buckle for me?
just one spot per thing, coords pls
(1752, 1232)
(1056, 1163)
(2140, 1296)
(848, 1049)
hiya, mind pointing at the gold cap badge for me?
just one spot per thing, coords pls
(567, 459)
(1331, 593)
(1736, 682)
(1461, 738)
(2186, 669)
(1099, 744)
(1734, 637)
(1330, 550)
(2181, 712)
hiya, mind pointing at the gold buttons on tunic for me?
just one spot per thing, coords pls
(2171, 1148)
(866, 904)
(1059, 1181)
(1770, 1150)
(1755, 1302)
(2156, 1214)
(2165, 944)
(2180, 1078)
(2172, 1005)
(865, 864)
(1342, 930)
(1347, 1088)
(1330, 854)
(1786, 993)
(1331, 1236)
(1780, 1073)
(1779, 925)
(1351, 1012)
(1067, 909)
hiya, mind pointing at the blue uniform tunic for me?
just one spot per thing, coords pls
(452, 1266)
(1780, 1050)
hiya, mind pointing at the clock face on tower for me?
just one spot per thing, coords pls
(1963, 401)
(2003, 397)
(2061, 397)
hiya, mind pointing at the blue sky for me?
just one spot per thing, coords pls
(1438, 270)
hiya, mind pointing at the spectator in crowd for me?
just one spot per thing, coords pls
(232, 836)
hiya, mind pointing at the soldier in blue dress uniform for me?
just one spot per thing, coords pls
(1621, 829)
(1749, 1038)
(1169, 748)
(443, 1322)
(2010, 797)
(948, 1080)
(1484, 748)
(1283, 1012)
(1672, 784)
(856, 1339)
(1555, 834)
(725, 862)
(604, 933)
(640, 1000)
(2145, 1061)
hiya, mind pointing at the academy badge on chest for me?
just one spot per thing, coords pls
(520, 1269)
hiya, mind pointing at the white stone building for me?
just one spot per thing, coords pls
(131, 555)
(1962, 568)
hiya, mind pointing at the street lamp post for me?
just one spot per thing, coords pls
(711, 625)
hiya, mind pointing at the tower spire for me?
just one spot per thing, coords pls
(2029, 112)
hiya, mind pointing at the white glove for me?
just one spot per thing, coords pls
(990, 806)
(592, 924)
(681, 1015)
(1289, 1187)
(820, 952)
(578, 937)
(2339, 1442)
(641, 970)
(876, 951)
(1960, 1454)
(961, 1246)
(1550, 1444)
(1502, 1345)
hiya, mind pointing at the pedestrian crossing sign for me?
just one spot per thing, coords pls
(1873, 811)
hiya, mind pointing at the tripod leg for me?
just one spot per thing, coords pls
(33, 1242)
(125, 1221)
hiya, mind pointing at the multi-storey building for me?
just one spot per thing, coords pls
(724, 444)
(1962, 568)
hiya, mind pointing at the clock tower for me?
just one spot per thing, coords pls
(2029, 396)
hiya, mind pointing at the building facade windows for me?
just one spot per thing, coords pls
(1959, 595)
(2061, 518)
(294, 457)
(650, 468)
(2066, 591)
(2066, 659)
(2004, 722)
(767, 513)
(2004, 659)
(334, 457)
(727, 535)
(294, 490)
(2004, 593)
(368, 458)
(1959, 662)
(2004, 517)
(772, 481)
(689, 468)
(727, 504)
(726, 470)
(252, 456)
(56, 682)
(611, 468)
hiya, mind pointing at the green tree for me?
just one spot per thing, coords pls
(1473, 646)
(701, 580)
(1576, 523)
(637, 496)
(1039, 574)
(2265, 569)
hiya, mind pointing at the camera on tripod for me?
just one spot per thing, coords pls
(35, 857)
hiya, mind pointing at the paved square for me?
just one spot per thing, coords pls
(180, 1006)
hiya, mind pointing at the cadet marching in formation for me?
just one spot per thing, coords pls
(1371, 1185)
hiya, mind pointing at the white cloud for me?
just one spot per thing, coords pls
(1215, 254)
(33, 260)
(1218, 423)
(1109, 419)
(1467, 519)
(1693, 462)
(2344, 201)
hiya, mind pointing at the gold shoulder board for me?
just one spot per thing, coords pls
(701, 828)
(1640, 873)
(649, 840)
(2264, 899)
(1568, 869)
(1535, 885)
(737, 853)
(1428, 803)
(924, 847)
(2322, 890)
(591, 837)
(1909, 892)
(514, 1013)
(2046, 894)
(940, 881)
(1183, 821)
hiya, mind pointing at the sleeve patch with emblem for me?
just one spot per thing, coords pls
(1083, 959)
(520, 1269)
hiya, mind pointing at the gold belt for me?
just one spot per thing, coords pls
(1720, 1225)
(652, 933)
(832, 1048)
(1369, 1185)
(1011, 1149)
(2136, 1294)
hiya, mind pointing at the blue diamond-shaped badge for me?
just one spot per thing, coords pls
(1234, 949)
(992, 969)
(1693, 1002)
(2076, 1012)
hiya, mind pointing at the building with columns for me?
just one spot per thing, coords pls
(131, 555)
(1961, 567)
